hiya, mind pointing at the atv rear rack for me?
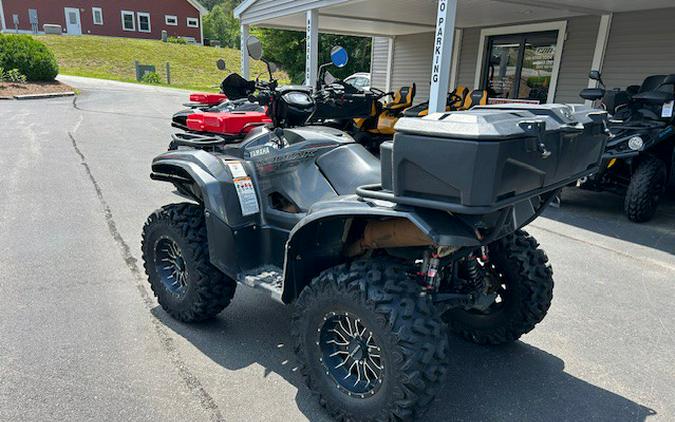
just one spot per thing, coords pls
(377, 192)
(200, 141)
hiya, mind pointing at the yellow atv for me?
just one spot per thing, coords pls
(379, 126)
(458, 99)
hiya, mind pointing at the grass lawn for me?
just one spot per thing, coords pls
(192, 67)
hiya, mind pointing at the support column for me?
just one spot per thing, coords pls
(600, 48)
(441, 64)
(244, 52)
(456, 51)
(390, 62)
(312, 50)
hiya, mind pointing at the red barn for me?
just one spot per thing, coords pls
(117, 18)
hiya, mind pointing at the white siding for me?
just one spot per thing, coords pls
(577, 58)
(413, 53)
(379, 59)
(412, 63)
(640, 44)
(467, 58)
(631, 55)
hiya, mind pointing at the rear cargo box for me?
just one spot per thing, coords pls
(492, 157)
(227, 123)
(207, 98)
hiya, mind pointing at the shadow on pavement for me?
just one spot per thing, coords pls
(517, 382)
(602, 212)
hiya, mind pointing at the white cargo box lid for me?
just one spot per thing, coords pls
(474, 124)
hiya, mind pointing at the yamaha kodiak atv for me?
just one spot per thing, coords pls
(638, 161)
(378, 258)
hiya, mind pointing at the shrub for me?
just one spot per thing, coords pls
(176, 40)
(29, 56)
(13, 75)
(151, 78)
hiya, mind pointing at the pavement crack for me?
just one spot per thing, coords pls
(116, 113)
(166, 340)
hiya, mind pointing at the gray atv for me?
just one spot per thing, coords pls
(380, 258)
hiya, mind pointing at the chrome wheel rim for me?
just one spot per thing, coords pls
(350, 354)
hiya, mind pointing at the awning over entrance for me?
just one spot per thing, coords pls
(392, 18)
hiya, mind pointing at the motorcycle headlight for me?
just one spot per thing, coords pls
(635, 143)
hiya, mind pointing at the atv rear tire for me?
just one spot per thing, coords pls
(396, 331)
(647, 185)
(528, 281)
(176, 260)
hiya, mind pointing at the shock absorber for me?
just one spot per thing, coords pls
(473, 272)
(429, 271)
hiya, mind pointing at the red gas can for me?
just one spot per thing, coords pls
(229, 123)
(207, 98)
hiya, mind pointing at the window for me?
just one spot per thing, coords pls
(171, 20)
(193, 22)
(143, 21)
(128, 21)
(520, 66)
(97, 15)
(520, 62)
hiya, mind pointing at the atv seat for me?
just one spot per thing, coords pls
(403, 98)
(651, 83)
(455, 100)
(476, 98)
(457, 97)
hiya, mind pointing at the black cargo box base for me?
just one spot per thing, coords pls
(483, 160)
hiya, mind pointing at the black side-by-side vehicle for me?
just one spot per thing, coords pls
(638, 161)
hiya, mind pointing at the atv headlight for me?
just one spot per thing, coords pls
(635, 143)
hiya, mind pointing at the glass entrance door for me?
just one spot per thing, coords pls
(520, 66)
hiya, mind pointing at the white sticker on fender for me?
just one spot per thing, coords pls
(247, 197)
(236, 169)
(667, 110)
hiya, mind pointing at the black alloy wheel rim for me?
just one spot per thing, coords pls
(170, 266)
(350, 355)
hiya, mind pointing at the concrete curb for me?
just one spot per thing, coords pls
(6, 97)
(40, 96)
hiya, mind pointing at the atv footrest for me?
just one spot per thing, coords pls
(268, 278)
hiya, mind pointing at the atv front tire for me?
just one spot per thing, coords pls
(647, 185)
(369, 343)
(176, 260)
(527, 280)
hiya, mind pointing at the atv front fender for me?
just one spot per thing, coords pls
(203, 169)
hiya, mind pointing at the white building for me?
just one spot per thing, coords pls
(526, 49)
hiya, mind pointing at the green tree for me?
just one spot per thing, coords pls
(287, 49)
(220, 24)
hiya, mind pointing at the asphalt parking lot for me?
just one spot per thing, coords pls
(81, 338)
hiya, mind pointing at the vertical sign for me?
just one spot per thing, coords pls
(442, 60)
(312, 53)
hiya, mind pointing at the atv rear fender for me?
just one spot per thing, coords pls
(336, 231)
